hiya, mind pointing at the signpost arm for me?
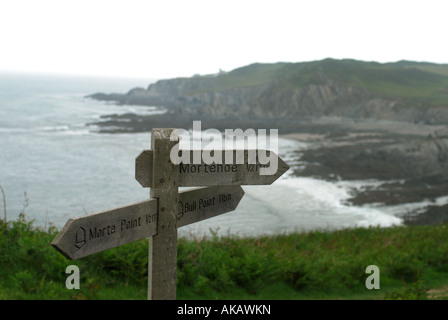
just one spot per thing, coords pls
(162, 264)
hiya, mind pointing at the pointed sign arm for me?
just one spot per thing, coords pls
(236, 173)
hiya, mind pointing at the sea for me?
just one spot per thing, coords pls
(54, 166)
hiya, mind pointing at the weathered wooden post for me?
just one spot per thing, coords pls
(162, 262)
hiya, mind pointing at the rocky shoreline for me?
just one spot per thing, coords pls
(411, 159)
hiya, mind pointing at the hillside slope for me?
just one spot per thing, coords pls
(402, 91)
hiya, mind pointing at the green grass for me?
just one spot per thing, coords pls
(256, 74)
(425, 82)
(400, 80)
(312, 265)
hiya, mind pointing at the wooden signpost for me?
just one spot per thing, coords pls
(167, 209)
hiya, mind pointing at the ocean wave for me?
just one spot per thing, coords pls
(14, 130)
(144, 110)
(329, 199)
(414, 207)
(103, 108)
(58, 129)
(53, 128)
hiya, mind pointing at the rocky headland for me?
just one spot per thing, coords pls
(363, 120)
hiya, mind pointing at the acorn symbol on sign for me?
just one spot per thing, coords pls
(80, 238)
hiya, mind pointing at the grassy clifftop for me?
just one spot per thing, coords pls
(403, 79)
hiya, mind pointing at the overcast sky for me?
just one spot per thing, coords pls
(165, 39)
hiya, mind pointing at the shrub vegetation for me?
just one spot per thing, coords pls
(310, 265)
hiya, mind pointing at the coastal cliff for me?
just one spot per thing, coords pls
(402, 91)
